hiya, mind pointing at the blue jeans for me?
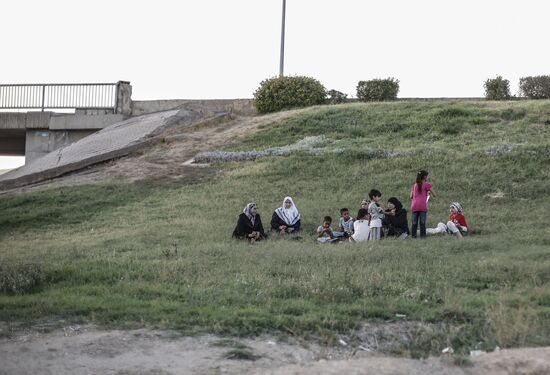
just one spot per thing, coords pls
(415, 216)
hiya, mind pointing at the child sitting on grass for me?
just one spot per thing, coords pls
(456, 225)
(345, 223)
(324, 231)
(361, 226)
(376, 215)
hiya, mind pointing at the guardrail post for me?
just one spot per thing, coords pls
(43, 96)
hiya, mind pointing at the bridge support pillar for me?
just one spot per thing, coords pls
(40, 142)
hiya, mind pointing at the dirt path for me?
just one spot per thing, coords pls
(86, 350)
(535, 361)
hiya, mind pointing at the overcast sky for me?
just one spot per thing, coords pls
(223, 49)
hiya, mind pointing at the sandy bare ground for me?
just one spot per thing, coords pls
(535, 361)
(86, 350)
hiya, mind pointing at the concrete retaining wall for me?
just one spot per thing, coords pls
(243, 107)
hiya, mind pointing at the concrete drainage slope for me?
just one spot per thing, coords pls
(114, 141)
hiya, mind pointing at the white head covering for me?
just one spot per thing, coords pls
(247, 212)
(457, 207)
(289, 215)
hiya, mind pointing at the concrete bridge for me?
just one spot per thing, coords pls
(39, 131)
(35, 133)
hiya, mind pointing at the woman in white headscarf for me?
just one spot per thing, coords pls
(286, 219)
(249, 225)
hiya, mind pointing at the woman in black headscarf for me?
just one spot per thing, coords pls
(395, 222)
(249, 225)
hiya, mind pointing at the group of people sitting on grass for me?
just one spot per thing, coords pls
(371, 223)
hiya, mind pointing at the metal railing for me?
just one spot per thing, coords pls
(58, 96)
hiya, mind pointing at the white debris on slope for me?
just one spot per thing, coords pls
(533, 150)
(308, 144)
(502, 149)
(311, 145)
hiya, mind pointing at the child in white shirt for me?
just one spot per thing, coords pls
(361, 226)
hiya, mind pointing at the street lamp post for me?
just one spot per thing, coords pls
(282, 63)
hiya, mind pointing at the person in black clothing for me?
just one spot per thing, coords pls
(249, 225)
(286, 219)
(395, 222)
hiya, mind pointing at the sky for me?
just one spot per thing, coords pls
(210, 49)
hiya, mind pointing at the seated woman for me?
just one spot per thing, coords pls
(395, 222)
(286, 219)
(249, 225)
(456, 225)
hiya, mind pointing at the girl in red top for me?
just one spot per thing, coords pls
(456, 225)
(457, 222)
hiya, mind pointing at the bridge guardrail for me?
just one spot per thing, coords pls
(59, 95)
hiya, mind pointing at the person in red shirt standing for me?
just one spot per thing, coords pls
(457, 222)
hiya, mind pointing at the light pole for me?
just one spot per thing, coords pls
(282, 63)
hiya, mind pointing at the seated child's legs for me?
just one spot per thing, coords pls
(441, 228)
(452, 227)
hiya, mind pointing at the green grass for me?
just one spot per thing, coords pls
(130, 255)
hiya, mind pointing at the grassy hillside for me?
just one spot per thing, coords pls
(130, 255)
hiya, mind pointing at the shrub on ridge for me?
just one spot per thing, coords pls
(276, 94)
(497, 89)
(377, 90)
(537, 87)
